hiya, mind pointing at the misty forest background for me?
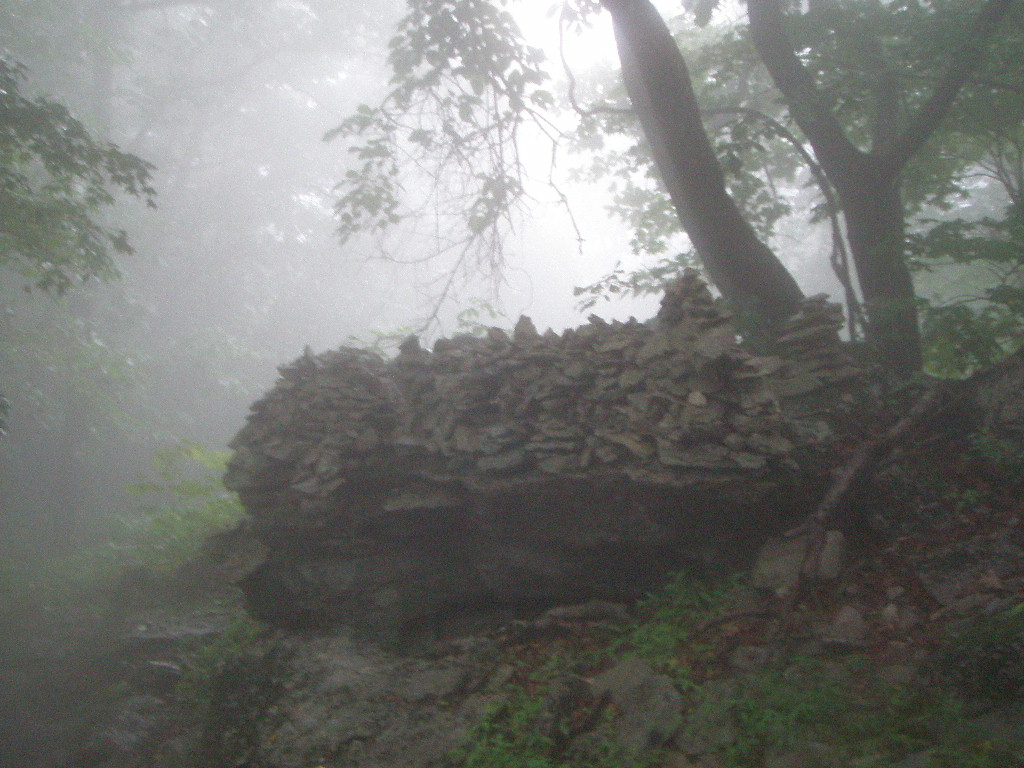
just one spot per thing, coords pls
(174, 225)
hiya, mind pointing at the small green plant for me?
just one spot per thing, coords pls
(620, 283)
(966, 500)
(382, 342)
(508, 736)
(475, 320)
(980, 320)
(185, 502)
(806, 709)
(514, 733)
(197, 686)
(1003, 455)
(667, 619)
(599, 749)
(478, 317)
(518, 732)
(986, 659)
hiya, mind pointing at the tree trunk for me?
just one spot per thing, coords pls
(875, 230)
(745, 270)
(868, 182)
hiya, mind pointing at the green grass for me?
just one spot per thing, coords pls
(841, 715)
(823, 712)
(985, 660)
(197, 686)
(508, 737)
(512, 735)
(667, 619)
(516, 731)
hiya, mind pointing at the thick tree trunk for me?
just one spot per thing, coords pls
(875, 230)
(746, 271)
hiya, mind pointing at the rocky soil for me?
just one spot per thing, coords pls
(912, 656)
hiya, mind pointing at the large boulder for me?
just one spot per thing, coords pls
(514, 472)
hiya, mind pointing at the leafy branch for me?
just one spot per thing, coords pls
(443, 145)
(55, 179)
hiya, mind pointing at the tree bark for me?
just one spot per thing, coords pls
(749, 275)
(875, 230)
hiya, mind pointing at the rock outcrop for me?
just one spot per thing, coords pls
(533, 469)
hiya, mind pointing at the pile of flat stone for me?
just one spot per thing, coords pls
(676, 395)
(482, 428)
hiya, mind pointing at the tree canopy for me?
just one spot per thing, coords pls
(56, 179)
(871, 101)
(236, 269)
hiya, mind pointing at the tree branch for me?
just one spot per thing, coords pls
(839, 258)
(792, 78)
(961, 67)
(149, 5)
(847, 477)
(884, 88)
